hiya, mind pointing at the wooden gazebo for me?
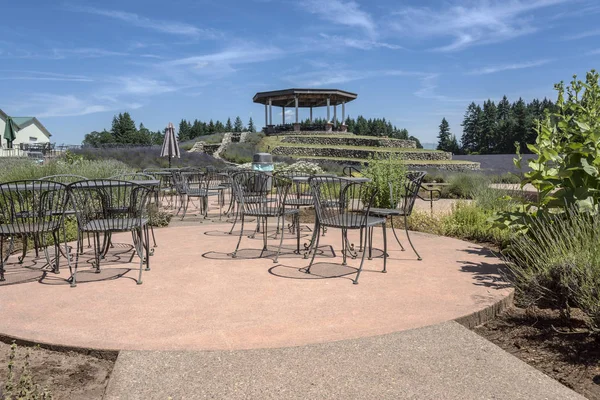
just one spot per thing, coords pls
(305, 98)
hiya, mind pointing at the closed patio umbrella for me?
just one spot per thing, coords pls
(170, 147)
(10, 132)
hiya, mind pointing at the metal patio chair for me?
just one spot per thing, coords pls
(33, 209)
(345, 204)
(103, 207)
(402, 200)
(262, 196)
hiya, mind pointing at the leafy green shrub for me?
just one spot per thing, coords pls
(387, 172)
(557, 263)
(25, 388)
(566, 171)
(158, 217)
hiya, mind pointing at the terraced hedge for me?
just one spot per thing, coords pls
(357, 153)
(350, 141)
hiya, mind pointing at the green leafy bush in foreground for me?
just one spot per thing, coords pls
(557, 263)
(25, 388)
(387, 173)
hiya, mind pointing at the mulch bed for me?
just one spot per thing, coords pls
(542, 339)
(67, 375)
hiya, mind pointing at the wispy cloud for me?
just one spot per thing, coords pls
(593, 52)
(170, 27)
(45, 105)
(347, 13)
(85, 52)
(473, 24)
(42, 76)
(135, 85)
(583, 35)
(361, 44)
(228, 57)
(508, 67)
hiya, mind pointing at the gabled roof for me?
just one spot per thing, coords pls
(24, 122)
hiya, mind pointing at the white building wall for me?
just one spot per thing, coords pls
(27, 134)
(2, 126)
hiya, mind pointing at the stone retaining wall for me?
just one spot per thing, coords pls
(357, 153)
(350, 141)
(414, 167)
(203, 147)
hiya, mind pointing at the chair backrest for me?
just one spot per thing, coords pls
(256, 191)
(350, 171)
(298, 188)
(32, 206)
(404, 198)
(341, 201)
(102, 199)
(133, 176)
(64, 178)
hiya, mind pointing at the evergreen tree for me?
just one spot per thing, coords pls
(444, 136)
(197, 129)
(123, 127)
(185, 131)
(228, 126)
(417, 141)
(522, 124)
(211, 128)
(487, 131)
(238, 125)
(471, 128)
(251, 127)
(219, 127)
(453, 146)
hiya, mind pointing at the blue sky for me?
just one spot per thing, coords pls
(75, 64)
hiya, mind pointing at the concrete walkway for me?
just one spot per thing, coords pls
(444, 361)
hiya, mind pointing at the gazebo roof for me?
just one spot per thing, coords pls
(306, 97)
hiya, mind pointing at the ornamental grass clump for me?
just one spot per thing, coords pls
(557, 263)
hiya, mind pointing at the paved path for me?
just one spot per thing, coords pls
(444, 361)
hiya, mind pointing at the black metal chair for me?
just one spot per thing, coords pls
(154, 194)
(402, 199)
(106, 206)
(32, 209)
(345, 204)
(262, 196)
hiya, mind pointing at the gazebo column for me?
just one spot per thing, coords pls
(328, 124)
(266, 115)
(283, 115)
(335, 115)
(311, 120)
(343, 126)
(297, 124)
(270, 125)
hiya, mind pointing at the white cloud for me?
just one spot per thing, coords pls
(342, 13)
(135, 85)
(42, 76)
(361, 44)
(583, 35)
(231, 56)
(508, 67)
(471, 23)
(85, 52)
(170, 27)
(52, 105)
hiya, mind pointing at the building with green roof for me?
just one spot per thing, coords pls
(30, 131)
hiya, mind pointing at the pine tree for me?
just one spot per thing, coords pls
(471, 128)
(487, 140)
(453, 146)
(251, 127)
(185, 132)
(444, 136)
(238, 125)
(228, 126)
(197, 129)
(211, 128)
(523, 124)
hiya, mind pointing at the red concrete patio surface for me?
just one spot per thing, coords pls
(196, 297)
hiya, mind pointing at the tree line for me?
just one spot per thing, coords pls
(378, 127)
(495, 128)
(190, 130)
(124, 131)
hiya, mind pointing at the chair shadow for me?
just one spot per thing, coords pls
(32, 268)
(319, 270)
(486, 274)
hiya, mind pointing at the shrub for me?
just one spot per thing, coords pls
(300, 166)
(92, 169)
(464, 185)
(241, 153)
(387, 173)
(557, 263)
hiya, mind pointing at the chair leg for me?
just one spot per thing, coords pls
(234, 255)
(410, 241)
(146, 245)
(362, 261)
(280, 245)
(153, 237)
(235, 220)
(97, 251)
(394, 232)
(312, 260)
(370, 235)
(2, 279)
(385, 254)
(344, 248)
